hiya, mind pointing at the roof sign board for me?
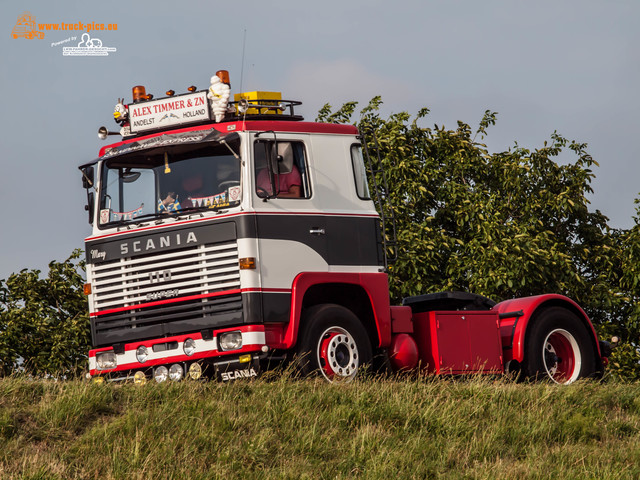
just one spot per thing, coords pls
(169, 112)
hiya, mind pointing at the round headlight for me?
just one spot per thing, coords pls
(106, 360)
(189, 346)
(142, 353)
(176, 372)
(160, 374)
(230, 340)
(195, 371)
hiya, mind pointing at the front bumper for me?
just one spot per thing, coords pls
(225, 365)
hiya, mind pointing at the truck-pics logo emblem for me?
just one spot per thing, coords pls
(26, 27)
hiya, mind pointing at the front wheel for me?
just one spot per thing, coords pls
(334, 343)
(559, 348)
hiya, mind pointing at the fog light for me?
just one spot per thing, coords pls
(176, 372)
(106, 360)
(245, 358)
(98, 379)
(230, 340)
(142, 353)
(139, 378)
(161, 374)
(195, 371)
(189, 346)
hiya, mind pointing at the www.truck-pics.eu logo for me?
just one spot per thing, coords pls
(26, 27)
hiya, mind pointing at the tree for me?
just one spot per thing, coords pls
(503, 225)
(44, 322)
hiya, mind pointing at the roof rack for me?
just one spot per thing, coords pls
(264, 110)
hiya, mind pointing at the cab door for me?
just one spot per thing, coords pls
(291, 228)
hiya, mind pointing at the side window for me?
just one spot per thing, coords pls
(359, 172)
(281, 169)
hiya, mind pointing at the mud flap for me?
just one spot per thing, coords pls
(232, 369)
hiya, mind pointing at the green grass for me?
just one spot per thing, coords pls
(284, 428)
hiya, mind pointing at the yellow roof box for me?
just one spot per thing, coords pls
(258, 96)
(262, 103)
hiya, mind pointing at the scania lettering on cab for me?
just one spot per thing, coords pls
(228, 236)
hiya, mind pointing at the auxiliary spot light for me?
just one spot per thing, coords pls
(195, 371)
(139, 378)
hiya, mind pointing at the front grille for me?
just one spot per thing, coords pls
(164, 285)
(195, 270)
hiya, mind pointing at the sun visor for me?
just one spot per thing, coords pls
(188, 139)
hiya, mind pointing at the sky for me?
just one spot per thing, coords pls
(570, 66)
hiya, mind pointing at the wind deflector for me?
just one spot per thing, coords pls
(172, 139)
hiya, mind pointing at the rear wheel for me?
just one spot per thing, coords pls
(334, 343)
(559, 348)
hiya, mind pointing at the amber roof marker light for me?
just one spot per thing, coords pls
(223, 75)
(139, 94)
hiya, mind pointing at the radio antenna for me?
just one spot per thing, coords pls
(244, 41)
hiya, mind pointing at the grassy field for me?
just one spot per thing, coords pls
(285, 428)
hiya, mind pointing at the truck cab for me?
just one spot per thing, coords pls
(201, 242)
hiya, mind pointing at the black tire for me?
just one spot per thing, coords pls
(559, 348)
(334, 343)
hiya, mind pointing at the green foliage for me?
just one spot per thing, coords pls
(503, 225)
(44, 322)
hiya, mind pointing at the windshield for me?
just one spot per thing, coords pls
(168, 182)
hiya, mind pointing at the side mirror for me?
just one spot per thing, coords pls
(89, 207)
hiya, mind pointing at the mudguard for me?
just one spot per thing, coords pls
(519, 313)
(375, 286)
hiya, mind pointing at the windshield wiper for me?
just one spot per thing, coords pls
(157, 215)
(146, 215)
(162, 215)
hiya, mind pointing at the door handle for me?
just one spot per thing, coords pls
(317, 231)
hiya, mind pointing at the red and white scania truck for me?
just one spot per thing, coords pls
(228, 236)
